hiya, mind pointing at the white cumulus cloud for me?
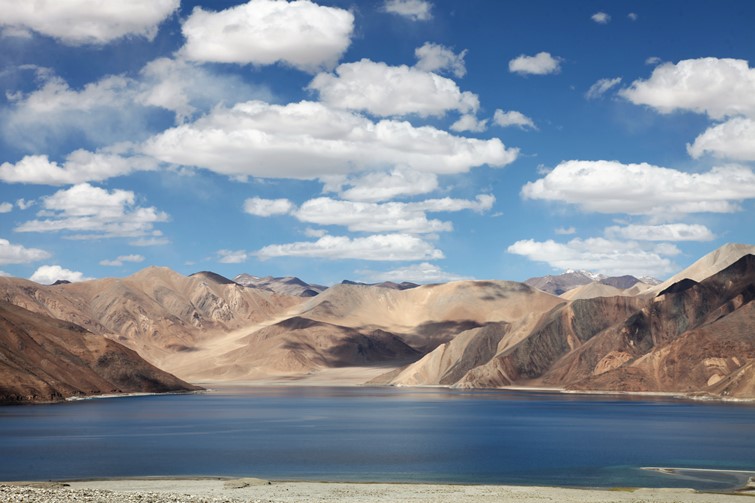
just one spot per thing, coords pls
(78, 22)
(438, 58)
(49, 274)
(416, 10)
(513, 118)
(601, 18)
(232, 256)
(664, 232)
(643, 189)
(733, 139)
(381, 186)
(541, 63)
(610, 257)
(86, 212)
(17, 254)
(424, 272)
(718, 87)
(385, 90)
(409, 218)
(380, 247)
(309, 140)
(267, 207)
(119, 261)
(300, 33)
(80, 166)
(6, 207)
(469, 122)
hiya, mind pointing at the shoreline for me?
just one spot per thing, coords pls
(228, 489)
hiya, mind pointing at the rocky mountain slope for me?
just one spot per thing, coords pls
(43, 359)
(565, 283)
(288, 285)
(693, 335)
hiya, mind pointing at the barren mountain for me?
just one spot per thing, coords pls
(404, 285)
(43, 359)
(692, 335)
(709, 265)
(288, 285)
(156, 311)
(563, 284)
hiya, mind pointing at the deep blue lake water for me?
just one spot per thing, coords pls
(381, 434)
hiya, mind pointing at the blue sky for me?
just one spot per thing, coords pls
(371, 140)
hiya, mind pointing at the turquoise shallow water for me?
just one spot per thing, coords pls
(382, 434)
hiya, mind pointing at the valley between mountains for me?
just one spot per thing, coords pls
(160, 331)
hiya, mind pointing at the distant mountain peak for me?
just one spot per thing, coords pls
(286, 285)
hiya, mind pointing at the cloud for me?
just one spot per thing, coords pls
(381, 247)
(117, 108)
(717, 87)
(187, 89)
(643, 189)
(267, 207)
(408, 218)
(102, 112)
(232, 256)
(437, 58)
(599, 255)
(301, 34)
(78, 22)
(6, 207)
(424, 272)
(416, 10)
(540, 64)
(632, 16)
(601, 18)
(18, 254)
(601, 87)
(653, 60)
(665, 232)
(92, 212)
(733, 139)
(155, 240)
(513, 118)
(382, 186)
(49, 274)
(309, 140)
(384, 90)
(24, 204)
(121, 260)
(80, 166)
(469, 122)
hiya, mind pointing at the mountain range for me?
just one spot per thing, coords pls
(158, 330)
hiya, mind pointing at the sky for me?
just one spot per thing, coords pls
(417, 140)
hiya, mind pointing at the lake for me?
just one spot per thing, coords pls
(382, 434)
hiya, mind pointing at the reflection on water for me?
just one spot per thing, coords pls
(382, 434)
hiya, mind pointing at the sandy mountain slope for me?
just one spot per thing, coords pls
(156, 311)
(422, 314)
(709, 265)
(288, 285)
(44, 359)
(295, 346)
(592, 290)
(694, 339)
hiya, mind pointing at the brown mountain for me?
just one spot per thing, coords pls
(694, 338)
(43, 359)
(156, 311)
(694, 335)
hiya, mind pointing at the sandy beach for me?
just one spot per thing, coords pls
(218, 490)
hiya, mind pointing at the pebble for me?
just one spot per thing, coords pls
(22, 494)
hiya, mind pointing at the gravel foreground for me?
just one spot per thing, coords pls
(255, 490)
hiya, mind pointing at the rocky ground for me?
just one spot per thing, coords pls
(253, 490)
